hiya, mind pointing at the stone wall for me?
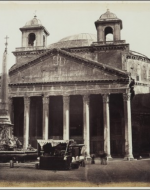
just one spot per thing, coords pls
(139, 68)
(109, 57)
(25, 58)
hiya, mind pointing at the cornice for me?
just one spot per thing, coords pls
(97, 47)
(118, 81)
(34, 28)
(29, 52)
(106, 21)
(138, 57)
(142, 84)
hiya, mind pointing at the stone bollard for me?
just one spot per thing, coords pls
(11, 163)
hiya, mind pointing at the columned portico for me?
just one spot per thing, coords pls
(86, 123)
(106, 119)
(66, 108)
(45, 117)
(128, 129)
(26, 122)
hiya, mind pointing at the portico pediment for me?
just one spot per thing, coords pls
(63, 66)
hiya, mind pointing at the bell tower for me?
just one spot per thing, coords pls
(109, 48)
(34, 41)
(108, 23)
(34, 34)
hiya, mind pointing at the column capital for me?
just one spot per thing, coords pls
(27, 100)
(86, 98)
(45, 100)
(66, 99)
(126, 97)
(105, 98)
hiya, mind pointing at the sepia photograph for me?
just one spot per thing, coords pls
(74, 94)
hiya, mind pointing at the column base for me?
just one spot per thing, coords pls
(88, 158)
(128, 158)
(109, 157)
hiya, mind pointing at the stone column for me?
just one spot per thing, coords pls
(117, 32)
(45, 117)
(66, 108)
(26, 122)
(100, 34)
(106, 120)
(86, 123)
(128, 129)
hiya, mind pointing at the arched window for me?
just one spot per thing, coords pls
(43, 40)
(31, 39)
(109, 34)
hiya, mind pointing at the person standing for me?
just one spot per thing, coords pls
(103, 157)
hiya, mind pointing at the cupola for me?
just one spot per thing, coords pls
(108, 23)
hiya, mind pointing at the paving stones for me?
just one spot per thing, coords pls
(114, 172)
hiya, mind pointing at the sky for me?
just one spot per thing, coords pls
(65, 18)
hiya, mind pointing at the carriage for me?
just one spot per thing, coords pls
(60, 154)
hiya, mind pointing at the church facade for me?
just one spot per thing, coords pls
(82, 88)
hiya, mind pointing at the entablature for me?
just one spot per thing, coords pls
(138, 57)
(29, 50)
(70, 89)
(99, 47)
(84, 82)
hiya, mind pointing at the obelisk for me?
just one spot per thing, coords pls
(5, 123)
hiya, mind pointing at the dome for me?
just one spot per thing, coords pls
(34, 22)
(78, 40)
(108, 15)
